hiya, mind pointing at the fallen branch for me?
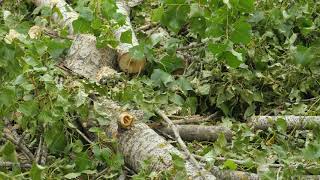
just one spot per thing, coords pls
(199, 132)
(7, 164)
(293, 122)
(20, 145)
(180, 141)
(193, 119)
(139, 142)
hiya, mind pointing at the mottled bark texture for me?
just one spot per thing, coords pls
(293, 122)
(140, 143)
(67, 14)
(199, 132)
(233, 175)
(85, 59)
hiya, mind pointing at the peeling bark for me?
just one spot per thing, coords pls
(199, 132)
(293, 122)
(86, 59)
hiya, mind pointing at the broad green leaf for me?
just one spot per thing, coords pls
(80, 98)
(7, 96)
(36, 172)
(29, 108)
(231, 59)
(81, 26)
(157, 14)
(85, 13)
(55, 140)
(281, 125)
(246, 5)
(175, 16)
(82, 161)
(196, 10)
(72, 175)
(303, 55)
(171, 63)
(137, 52)
(229, 164)
(159, 76)
(241, 32)
(8, 152)
(126, 37)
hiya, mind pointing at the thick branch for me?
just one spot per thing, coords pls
(293, 122)
(199, 132)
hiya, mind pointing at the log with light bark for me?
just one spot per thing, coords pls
(126, 62)
(293, 122)
(199, 132)
(140, 143)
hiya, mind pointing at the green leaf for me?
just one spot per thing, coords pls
(204, 89)
(80, 98)
(184, 85)
(178, 162)
(281, 125)
(303, 55)
(28, 108)
(229, 164)
(159, 76)
(81, 26)
(196, 10)
(312, 151)
(56, 47)
(126, 37)
(82, 161)
(157, 14)
(7, 96)
(241, 32)
(175, 16)
(233, 59)
(177, 99)
(55, 138)
(171, 63)
(246, 5)
(137, 52)
(72, 175)
(85, 13)
(217, 49)
(36, 172)
(8, 152)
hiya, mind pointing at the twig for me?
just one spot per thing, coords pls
(39, 150)
(195, 120)
(84, 136)
(145, 27)
(180, 141)
(56, 35)
(192, 46)
(44, 154)
(21, 146)
(7, 164)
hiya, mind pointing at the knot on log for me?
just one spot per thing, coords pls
(125, 121)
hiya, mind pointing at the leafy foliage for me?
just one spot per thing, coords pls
(255, 58)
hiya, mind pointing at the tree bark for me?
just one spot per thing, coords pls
(293, 122)
(67, 16)
(141, 143)
(126, 62)
(199, 132)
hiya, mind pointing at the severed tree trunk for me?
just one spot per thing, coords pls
(125, 61)
(140, 143)
(199, 132)
(293, 122)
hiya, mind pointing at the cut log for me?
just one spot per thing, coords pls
(293, 122)
(125, 61)
(199, 132)
(141, 143)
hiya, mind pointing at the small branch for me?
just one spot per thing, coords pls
(84, 136)
(56, 35)
(145, 27)
(195, 119)
(21, 146)
(191, 46)
(39, 150)
(7, 164)
(44, 154)
(180, 141)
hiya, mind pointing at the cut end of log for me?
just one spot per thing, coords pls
(130, 65)
(125, 120)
